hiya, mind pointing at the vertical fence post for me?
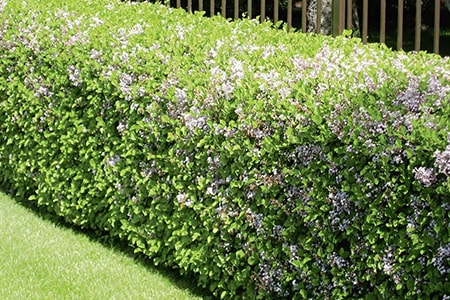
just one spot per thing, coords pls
(289, 15)
(276, 7)
(365, 22)
(263, 10)
(319, 17)
(335, 17)
(338, 15)
(236, 9)
(200, 5)
(418, 24)
(211, 8)
(437, 17)
(383, 21)
(349, 14)
(224, 8)
(400, 25)
(249, 8)
(304, 8)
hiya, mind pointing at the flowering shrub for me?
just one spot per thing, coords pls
(270, 164)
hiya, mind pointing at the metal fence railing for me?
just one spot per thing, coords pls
(330, 16)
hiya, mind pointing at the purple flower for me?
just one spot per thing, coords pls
(137, 29)
(277, 232)
(338, 261)
(425, 176)
(113, 161)
(442, 259)
(255, 220)
(181, 95)
(122, 127)
(192, 122)
(184, 200)
(269, 278)
(237, 70)
(306, 154)
(389, 261)
(74, 75)
(443, 160)
(125, 81)
(412, 98)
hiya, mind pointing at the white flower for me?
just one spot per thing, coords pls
(425, 176)
(443, 160)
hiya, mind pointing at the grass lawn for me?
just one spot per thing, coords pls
(42, 260)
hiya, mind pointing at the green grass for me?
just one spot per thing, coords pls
(42, 260)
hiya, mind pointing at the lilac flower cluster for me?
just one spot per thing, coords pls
(437, 89)
(149, 168)
(443, 161)
(296, 198)
(339, 215)
(178, 107)
(125, 82)
(389, 261)
(419, 207)
(194, 121)
(122, 127)
(426, 176)
(2, 5)
(270, 278)
(224, 131)
(412, 98)
(337, 261)
(255, 220)
(257, 132)
(214, 163)
(184, 200)
(224, 87)
(74, 75)
(236, 70)
(270, 80)
(306, 154)
(226, 211)
(41, 88)
(277, 232)
(442, 259)
(214, 186)
(113, 161)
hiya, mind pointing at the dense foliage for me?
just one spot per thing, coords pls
(270, 164)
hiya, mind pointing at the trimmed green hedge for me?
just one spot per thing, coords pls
(270, 164)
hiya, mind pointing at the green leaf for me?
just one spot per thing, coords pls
(240, 254)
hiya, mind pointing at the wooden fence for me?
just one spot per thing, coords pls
(345, 16)
(342, 15)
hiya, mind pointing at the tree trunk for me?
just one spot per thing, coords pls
(326, 16)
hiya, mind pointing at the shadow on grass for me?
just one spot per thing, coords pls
(186, 282)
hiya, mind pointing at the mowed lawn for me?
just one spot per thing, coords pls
(41, 260)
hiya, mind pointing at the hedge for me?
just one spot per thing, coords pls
(268, 164)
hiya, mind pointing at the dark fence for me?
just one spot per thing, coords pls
(342, 7)
(369, 20)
